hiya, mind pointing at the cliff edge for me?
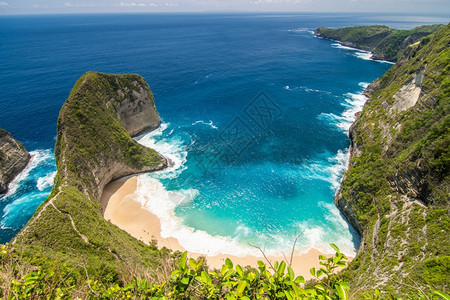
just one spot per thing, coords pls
(385, 43)
(13, 159)
(396, 190)
(94, 147)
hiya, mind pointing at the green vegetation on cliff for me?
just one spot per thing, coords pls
(92, 148)
(385, 43)
(398, 185)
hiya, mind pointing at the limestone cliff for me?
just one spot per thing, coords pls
(13, 159)
(385, 43)
(94, 147)
(396, 190)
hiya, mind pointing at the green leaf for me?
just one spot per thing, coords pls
(336, 259)
(200, 261)
(28, 289)
(291, 273)
(205, 277)
(345, 285)
(322, 257)
(280, 295)
(261, 264)
(229, 263)
(341, 264)
(185, 280)
(183, 260)
(289, 296)
(224, 269)
(320, 287)
(241, 287)
(299, 279)
(313, 271)
(228, 274)
(193, 263)
(342, 291)
(282, 267)
(239, 270)
(442, 295)
(335, 247)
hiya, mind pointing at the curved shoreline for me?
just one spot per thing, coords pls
(120, 208)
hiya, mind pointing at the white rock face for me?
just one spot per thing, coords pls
(409, 94)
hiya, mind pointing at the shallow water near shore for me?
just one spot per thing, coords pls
(255, 115)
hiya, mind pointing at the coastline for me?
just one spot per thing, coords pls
(120, 208)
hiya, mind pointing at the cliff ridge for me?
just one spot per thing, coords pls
(396, 190)
(94, 147)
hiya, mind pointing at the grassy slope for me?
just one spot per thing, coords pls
(69, 226)
(384, 42)
(405, 240)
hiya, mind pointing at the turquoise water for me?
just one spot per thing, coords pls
(255, 112)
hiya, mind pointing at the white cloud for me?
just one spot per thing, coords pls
(2, 3)
(134, 4)
(69, 4)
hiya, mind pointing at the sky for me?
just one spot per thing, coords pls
(441, 7)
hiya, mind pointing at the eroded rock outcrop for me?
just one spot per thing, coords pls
(94, 147)
(13, 159)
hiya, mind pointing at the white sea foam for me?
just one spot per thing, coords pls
(170, 147)
(335, 230)
(16, 209)
(340, 46)
(306, 89)
(46, 181)
(366, 55)
(154, 197)
(344, 233)
(202, 79)
(299, 30)
(327, 169)
(339, 164)
(37, 158)
(364, 85)
(210, 124)
(354, 103)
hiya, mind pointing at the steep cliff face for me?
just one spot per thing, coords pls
(385, 43)
(13, 159)
(396, 190)
(94, 147)
(137, 111)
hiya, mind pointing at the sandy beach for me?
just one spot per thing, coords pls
(122, 210)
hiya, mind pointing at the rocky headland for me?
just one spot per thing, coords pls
(94, 147)
(13, 159)
(385, 43)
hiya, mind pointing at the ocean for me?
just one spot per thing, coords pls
(255, 111)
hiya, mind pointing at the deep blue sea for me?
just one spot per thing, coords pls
(255, 113)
